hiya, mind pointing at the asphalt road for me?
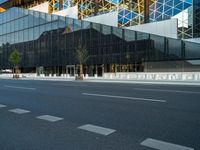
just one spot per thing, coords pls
(98, 116)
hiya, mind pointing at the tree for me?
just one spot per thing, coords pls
(15, 59)
(81, 55)
(128, 58)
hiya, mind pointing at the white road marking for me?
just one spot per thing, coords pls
(19, 87)
(19, 111)
(2, 106)
(49, 118)
(124, 97)
(158, 90)
(69, 85)
(97, 129)
(160, 145)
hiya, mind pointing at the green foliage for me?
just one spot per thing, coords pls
(14, 58)
(81, 54)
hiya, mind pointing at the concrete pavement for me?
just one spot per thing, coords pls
(101, 79)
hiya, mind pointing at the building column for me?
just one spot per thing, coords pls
(146, 11)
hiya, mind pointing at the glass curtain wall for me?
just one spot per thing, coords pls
(49, 42)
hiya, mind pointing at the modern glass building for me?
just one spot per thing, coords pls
(47, 44)
(126, 12)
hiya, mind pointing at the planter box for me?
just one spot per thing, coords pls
(15, 76)
(79, 78)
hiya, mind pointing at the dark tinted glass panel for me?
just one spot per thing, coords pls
(36, 18)
(157, 46)
(69, 25)
(129, 35)
(30, 19)
(61, 22)
(77, 25)
(174, 47)
(85, 25)
(117, 32)
(42, 18)
(192, 50)
(142, 36)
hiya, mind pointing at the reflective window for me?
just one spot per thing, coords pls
(48, 17)
(30, 19)
(54, 17)
(4, 29)
(16, 13)
(21, 23)
(20, 12)
(117, 32)
(85, 25)
(25, 22)
(12, 38)
(42, 29)
(4, 17)
(20, 36)
(8, 27)
(42, 18)
(16, 38)
(16, 25)
(26, 35)
(69, 25)
(174, 47)
(30, 34)
(1, 41)
(96, 26)
(129, 35)
(12, 26)
(54, 25)
(192, 50)
(8, 37)
(36, 33)
(142, 36)
(48, 27)
(158, 42)
(157, 51)
(1, 18)
(1, 28)
(61, 23)
(36, 18)
(7, 15)
(12, 13)
(77, 25)
(106, 29)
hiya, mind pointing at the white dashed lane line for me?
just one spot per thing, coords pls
(2, 106)
(49, 118)
(125, 97)
(97, 129)
(19, 87)
(19, 111)
(172, 91)
(161, 145)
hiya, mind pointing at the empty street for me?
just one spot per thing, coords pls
(73, 115)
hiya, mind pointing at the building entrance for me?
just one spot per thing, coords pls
(70, 69)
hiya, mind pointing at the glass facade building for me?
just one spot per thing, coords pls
(136, 12)
(48, 42)
(131, 12)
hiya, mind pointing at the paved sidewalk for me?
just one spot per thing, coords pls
(101, 79)
(174, 82)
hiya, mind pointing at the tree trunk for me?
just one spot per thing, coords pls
(81, 70)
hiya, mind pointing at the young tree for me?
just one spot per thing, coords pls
(15, 59)
(81, 55)
(128, 58)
